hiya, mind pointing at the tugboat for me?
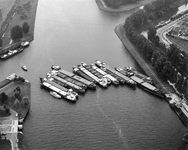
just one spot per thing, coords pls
(24, 67)
(54, 94)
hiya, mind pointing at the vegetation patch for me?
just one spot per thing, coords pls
(171, 64)
(23, 11)
(5, 144)
(118, 3)
(18, 96)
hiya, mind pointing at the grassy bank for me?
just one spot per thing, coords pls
(149, 70)
(17, 103)
(103, 7)
(22, 11)
(144, 64)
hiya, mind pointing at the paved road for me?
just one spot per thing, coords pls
(161, 32)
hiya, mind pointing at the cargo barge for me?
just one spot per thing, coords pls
(144, 85)
(117, 75)
(126, 75)
(114, 80)
(50, 87)
(69, 79)
(61, 86)
(139, 75)
(59, 77)
(96, 73)
(77, 71)
(83, 81)
(101, 82)
(109, 72)
(72, 80)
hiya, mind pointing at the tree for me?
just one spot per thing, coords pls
(3, 97)
(152, 36)
(17, 93)
(7, 110)
(16, 33)
(25, 27)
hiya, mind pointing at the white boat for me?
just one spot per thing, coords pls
(24, 67)
(25, 44)
(53, 67)
(54, 94)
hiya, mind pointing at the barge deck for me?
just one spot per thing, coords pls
(69, 84)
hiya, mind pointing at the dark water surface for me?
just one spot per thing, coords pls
(68, 32)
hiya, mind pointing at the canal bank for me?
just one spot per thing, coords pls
(19, 97)
(117, 118)
(149, 70)
(26, 8)
(104, 7)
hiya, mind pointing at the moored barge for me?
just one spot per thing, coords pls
(144, 85)
(123, 72)
(64, 94)
(77, 71)
(59, 77)
(110, 71)
(11, 53)
(59, 85)
(101, 82)
(114, 80)
(139, 75)
(72, 80)
(95, 73)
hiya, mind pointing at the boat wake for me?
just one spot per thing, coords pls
(115, 125)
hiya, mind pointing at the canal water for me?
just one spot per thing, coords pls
(68, 32)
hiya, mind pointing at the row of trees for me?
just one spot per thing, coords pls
(118, 3)
(18, 31)
(171, 64)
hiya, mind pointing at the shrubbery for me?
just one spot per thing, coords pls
(172, 63)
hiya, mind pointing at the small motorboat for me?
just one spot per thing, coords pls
(54, 67)
(24, 67)
(54, 94)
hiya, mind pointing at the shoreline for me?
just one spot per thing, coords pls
(143, 64)
(12, 21)
(18, 111)
(141, 61)
(123, 8)
(148, 69)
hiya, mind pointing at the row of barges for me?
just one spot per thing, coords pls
(84, 76)
(13, 52)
